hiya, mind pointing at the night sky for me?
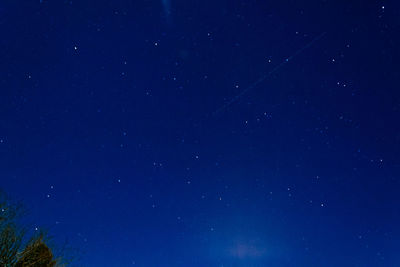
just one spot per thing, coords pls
(205, 133)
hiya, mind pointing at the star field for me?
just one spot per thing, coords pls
(205, 133)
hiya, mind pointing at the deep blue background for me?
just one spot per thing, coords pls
(108, 130)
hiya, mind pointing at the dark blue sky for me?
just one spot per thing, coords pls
(109, 135)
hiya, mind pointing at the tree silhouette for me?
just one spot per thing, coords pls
(10, 245)
(14, 250)
(10, 236)
(36, 254)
